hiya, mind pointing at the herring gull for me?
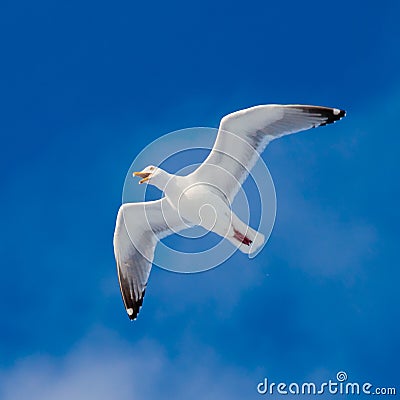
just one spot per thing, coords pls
(204, 196)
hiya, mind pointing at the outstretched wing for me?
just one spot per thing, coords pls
(243, 136)
(137, 230)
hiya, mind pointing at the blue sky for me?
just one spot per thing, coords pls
(85, 86)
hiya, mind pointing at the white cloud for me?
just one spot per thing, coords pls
(104, 367)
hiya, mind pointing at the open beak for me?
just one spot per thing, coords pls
(144, 175)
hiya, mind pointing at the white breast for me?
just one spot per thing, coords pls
(201, 204)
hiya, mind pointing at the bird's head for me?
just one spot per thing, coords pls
(148, 173)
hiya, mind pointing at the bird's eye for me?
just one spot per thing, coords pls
(151, 168)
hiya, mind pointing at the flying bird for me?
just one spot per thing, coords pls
(242, 137)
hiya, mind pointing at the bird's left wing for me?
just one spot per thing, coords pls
(137, 230)
(243, 136)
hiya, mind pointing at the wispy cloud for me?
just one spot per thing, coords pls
(103, 366)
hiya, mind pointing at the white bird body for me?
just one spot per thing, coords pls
(202, 203)
(204, 196)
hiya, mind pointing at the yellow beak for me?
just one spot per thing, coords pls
(144, 175)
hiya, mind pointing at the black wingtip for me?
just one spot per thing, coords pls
(328, 114)
(331, 115)
(133, 308)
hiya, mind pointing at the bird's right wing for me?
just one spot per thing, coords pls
(138, 228)
(243, 136)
